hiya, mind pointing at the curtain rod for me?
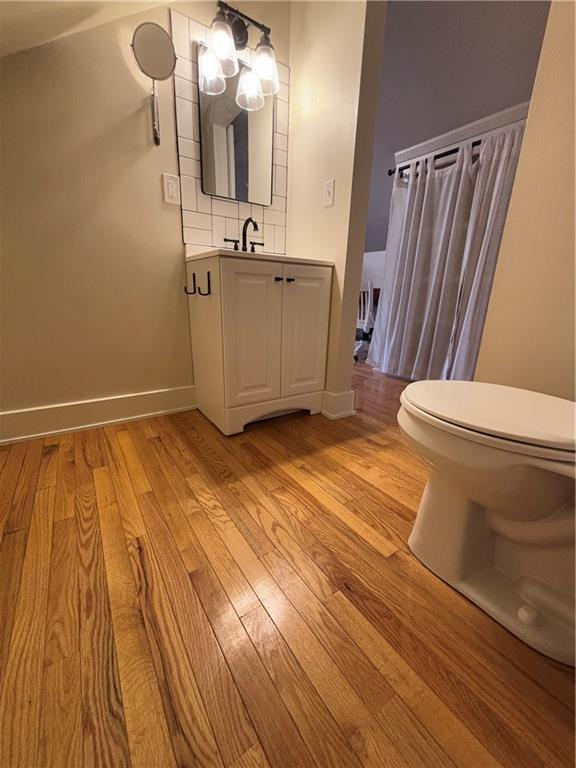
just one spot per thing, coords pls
(392, 171)
(456, 147)
(474, 131)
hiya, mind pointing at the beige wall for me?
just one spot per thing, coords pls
(92, 269)
(528, 338)
(35, 22)
(326, 56)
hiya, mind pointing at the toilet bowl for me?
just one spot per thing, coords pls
(496, 520)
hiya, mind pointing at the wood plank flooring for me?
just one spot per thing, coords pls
(173, 597)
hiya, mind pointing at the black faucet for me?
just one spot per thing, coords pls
(249, 220)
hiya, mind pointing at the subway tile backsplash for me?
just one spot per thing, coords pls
(188, 191)
(185, 89)
(207, 220)
(279, 180)
(189, 167)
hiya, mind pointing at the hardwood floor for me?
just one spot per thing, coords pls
(173, 597)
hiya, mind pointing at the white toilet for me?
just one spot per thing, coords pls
(496, 520)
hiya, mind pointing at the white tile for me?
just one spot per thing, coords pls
(197, 236)
(274, 217)
(198, 32)
(278, 203)
(283, 73)
(268, 238)
(227, 208)
(188, 148)
(190, 167)
(180, 34)
(280, 141)
(281, 117)
(183, 68)
(257, 212)
(284, 92)
(204, 201)
(185, 89)
(218, 230)
(280, 157)
(279, 177)
(244, 211)
(280, 239)
(197, 220)
(188, 192)
(232, 228)
(184, 121)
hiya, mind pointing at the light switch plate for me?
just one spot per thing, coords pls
(328, 193)
(171, 187)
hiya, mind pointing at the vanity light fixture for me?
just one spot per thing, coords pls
(228, 34)
(249, 95)
(221, 44)
(264, 62)
(210, 76)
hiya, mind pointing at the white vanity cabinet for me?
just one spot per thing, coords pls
(259, 329)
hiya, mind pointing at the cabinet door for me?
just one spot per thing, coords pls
(306, 313)
(252, 314)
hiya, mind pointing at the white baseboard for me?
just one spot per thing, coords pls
(66, 417)
(338, 405)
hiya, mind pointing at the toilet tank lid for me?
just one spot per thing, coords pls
(492, 409)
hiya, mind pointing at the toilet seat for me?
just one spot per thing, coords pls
(515, 420)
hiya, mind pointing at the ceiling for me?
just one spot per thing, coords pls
(28, 24)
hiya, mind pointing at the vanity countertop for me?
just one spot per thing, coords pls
(193, 253)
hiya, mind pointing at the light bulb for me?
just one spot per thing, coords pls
(265, 67)
(221, 43)
(249, 95)
(210, 78)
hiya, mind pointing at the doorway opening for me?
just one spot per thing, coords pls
(455, 84)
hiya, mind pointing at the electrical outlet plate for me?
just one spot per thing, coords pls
(328, 193)
(171, 187)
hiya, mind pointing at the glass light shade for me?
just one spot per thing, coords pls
(264, 64)
(210, 77)
(249, 95)
(221, 42)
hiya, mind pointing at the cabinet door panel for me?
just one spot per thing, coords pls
(306, 311)
(252, 314)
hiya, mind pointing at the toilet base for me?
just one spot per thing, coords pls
(452, 538)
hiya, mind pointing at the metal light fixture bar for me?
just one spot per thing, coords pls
(239, 15)
(219, 60)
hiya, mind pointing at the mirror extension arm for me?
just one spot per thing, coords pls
(155, 114)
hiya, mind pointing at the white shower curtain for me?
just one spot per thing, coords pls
(443, 239)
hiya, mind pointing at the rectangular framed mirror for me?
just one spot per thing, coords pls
(236, 146)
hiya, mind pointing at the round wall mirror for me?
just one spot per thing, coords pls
(154, 51)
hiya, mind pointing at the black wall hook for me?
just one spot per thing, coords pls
(209, 288)
(197, 289)
(193, 291)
